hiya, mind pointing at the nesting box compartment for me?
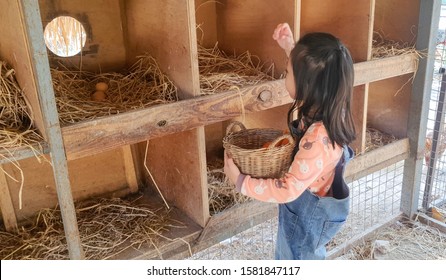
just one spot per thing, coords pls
(164, 150)
(389, 99)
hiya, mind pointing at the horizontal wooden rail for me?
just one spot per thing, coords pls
(19, 153)
(108, 133)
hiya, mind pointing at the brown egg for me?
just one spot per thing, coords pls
(98, 96)
(101, 86)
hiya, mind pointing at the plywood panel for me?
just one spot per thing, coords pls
(206, 18)
(14, 50)
(388, 112)
(105, 47)
(167, 31)
(345, 19)
(397, 19)
(249, 25)
(179, 170)
(91, 176)
(389, 102)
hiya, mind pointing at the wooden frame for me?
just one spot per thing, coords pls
(181, 136)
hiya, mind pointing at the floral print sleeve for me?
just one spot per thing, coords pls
(312, 168)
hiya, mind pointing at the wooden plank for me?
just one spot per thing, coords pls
(19, 153)
(42, 77)
(419, 106)
(178, 161)
(129, 167)
(334, 16)
(238, 29)
(429, 221)
(235, 220)
(377, 159)
(127, 128)
(6, 206)
(385, 68)
(359, 112)
(104, 134)
(14, 50)
(398, 26)
(361, 238)
(99, 175)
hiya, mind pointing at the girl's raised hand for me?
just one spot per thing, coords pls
(284, 37)
(231, 170)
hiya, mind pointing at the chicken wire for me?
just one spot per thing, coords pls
(374, 198)
(433, 183)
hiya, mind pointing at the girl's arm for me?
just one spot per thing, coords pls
(313, 159)
(284, 37)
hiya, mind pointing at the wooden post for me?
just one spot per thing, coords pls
(427, 29)
(8, 213)
(42, 76)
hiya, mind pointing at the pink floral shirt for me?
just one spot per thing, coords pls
(312, 168)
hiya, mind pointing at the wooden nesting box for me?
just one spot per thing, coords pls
(173, 142)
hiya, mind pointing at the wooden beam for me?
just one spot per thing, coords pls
(129, 167)
(419, 106)
(104, 134)
(377, 159)
(235, 220)
(42, 77)
(429, 221)
(8, 212)
(19, 153)
(384, 68)
(361, 238)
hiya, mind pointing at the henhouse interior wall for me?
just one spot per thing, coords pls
(164, 152)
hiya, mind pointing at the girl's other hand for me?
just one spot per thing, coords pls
(284, 37)
(231, 170)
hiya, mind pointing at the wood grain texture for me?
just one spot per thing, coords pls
(6, 206)
(345, 19)
(14, 50)
(167, 30)
(107, 133)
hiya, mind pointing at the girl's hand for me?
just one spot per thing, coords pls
(284, 37)
(231, 170)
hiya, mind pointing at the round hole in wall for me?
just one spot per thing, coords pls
(65, 36)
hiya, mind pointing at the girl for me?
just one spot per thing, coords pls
(312, 196)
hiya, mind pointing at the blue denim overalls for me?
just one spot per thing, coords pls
(308, 223)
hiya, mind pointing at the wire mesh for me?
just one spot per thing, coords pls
(433, 182)
(374, 198)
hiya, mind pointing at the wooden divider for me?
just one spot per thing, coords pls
(177, 162)
(389, 100)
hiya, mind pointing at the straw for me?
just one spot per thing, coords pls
(141, 86)
(16, 125)
(107, 227)
(221, 72)
(221, 192)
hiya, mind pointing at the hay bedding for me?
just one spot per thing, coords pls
(141, 86)
(382, 47)
(106, 226)
(408, 240)
(16, 125)
(376, 138)
(222, 193)
(221, 72)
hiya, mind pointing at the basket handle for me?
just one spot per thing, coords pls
(232, 124)
(280, 138)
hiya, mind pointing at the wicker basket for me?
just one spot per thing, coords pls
(245, 147)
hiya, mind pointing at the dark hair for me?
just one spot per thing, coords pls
(323, 76)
